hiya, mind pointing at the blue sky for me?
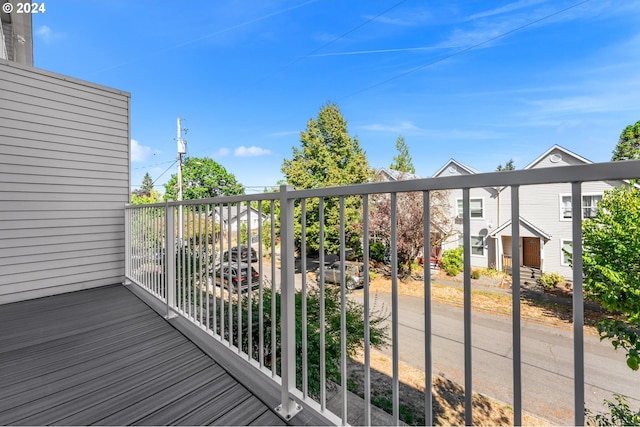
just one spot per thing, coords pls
(478, 81)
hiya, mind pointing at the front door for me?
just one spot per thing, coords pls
(531, 252)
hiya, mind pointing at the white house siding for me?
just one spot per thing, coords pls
(479, 226)
(64, 179)
(541, 205)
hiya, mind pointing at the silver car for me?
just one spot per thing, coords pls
(354, 274)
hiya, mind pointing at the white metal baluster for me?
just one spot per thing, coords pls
(190, 261)
(221, 287)
(183, 282)
(303, 308)
(395, 386)
(468, 384)
(260, 289)
(250, 283)
(343, 314)
(239, 270)
(578, 303)
(323, 344)
(201, 292)
(229, 278)
(426, 262)
(273, 292)
(367, 334)
(170, 258)
(515, 298)
(207, 273)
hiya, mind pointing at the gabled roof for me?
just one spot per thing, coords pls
(562, 150)
(394, 175)
(537, 232)
(453, 163)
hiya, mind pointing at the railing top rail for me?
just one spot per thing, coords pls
(607, 171)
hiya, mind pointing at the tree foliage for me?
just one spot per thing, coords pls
(145, 194)
(509, 166)
(202, 177)
(143, 197)
(327, 157)
(332, 321)
(147, 183)
(611, 259)
(410, 223)
(628, 147)
(402, 162)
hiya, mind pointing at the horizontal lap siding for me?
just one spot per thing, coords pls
(64, 179)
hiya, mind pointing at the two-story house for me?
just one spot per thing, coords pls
(545, 216)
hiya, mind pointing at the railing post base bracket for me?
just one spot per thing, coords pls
(280, 410)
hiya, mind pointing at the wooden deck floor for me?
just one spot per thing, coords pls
(101, 356)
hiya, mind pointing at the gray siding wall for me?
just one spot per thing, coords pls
(64, 179)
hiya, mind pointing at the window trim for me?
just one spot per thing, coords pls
(482, 205)
(481, 245)
(582, 206)
(562, 255)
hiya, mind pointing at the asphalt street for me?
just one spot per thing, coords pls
(547, 358)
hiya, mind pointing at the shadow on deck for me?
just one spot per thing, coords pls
(102, 356)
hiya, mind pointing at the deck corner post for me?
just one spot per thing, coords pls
(288, 407)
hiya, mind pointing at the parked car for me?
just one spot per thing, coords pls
(354, 274)
(242, 252)
(247, 275)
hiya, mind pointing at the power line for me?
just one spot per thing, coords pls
(357, 27)
(150, 166)
(172, 164)
(467, 49)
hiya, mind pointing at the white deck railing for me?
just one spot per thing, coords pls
(180, 266)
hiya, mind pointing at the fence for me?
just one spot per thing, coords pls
(195, 269)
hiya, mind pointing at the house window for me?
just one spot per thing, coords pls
(475, 207)
(566, 246)
(477, 245)
(589, 205)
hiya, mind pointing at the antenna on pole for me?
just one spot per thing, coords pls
(182, 149)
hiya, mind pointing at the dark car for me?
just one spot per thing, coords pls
(240, 252)
(247, 275)
(354, 274)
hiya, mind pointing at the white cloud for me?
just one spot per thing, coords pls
(139, 153)
(404, 126)
(252, 151)
(222, 152)
(46, 34)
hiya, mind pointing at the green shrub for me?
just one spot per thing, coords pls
(476, 273)
(376, 251)
(619, 414)
(550, 280)
(452, 261)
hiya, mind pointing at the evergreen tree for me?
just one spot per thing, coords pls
(628, 147)
(402, 162)
(147, 183)
(328, 156)
(507, 166)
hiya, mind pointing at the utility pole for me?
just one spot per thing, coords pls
(182, 149)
